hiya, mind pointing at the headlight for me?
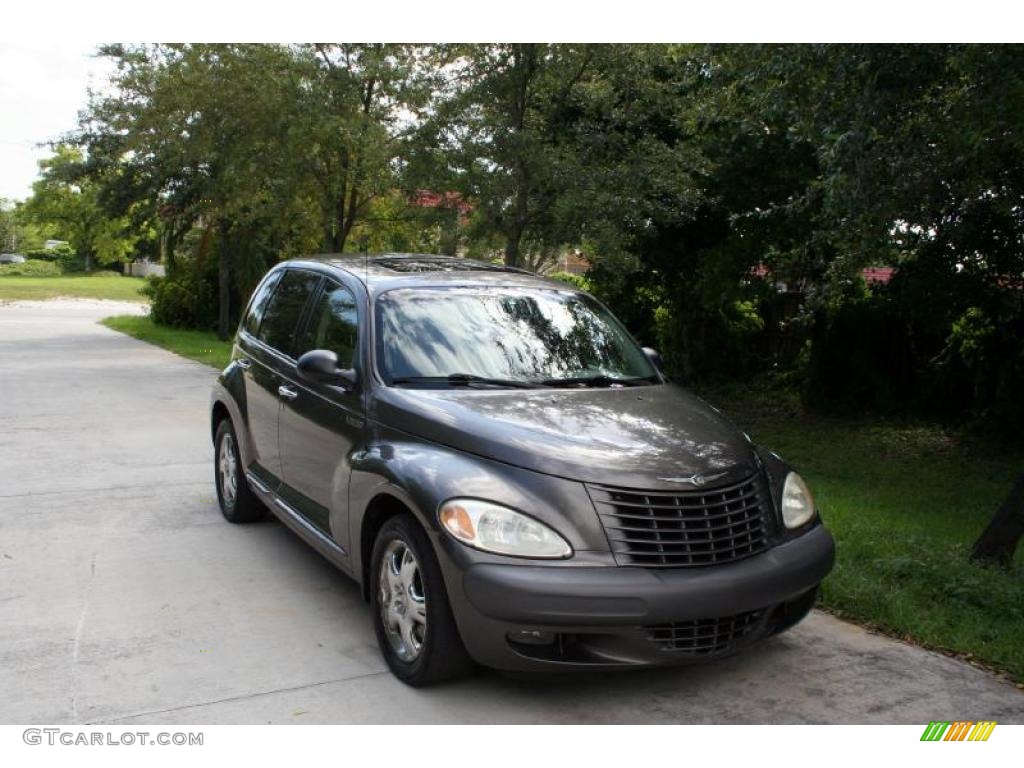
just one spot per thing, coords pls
(797, 502)
(498, 529)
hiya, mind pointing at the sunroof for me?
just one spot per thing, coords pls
(439, 264)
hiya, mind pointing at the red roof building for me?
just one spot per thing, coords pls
(871, 275)
(425, 198)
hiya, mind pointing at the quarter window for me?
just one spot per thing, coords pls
(285, 309)
(333, 325)
(258, 305)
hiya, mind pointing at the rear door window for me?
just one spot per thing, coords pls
(282, 315)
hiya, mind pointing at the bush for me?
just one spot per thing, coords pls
(42, 254)
(63, 256)
(69, 261)
(181, 301)
(579, 281)
(31, 268)
(982, 363)
(861, 360)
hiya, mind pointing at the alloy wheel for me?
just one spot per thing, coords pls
(403, 602)
(227, 467)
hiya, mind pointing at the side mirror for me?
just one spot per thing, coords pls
(321, 366)
(654, 357)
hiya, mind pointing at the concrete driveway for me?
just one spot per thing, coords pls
(126, 598)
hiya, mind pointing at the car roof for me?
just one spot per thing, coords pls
(384, 271)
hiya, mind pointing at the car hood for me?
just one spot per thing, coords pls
(632, 437)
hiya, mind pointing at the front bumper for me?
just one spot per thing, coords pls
(527, 617)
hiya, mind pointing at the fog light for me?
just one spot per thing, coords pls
(532, 637)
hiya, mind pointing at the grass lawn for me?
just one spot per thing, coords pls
(98, 285)
(905, 503)
(203, 346)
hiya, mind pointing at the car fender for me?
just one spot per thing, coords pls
(229, 393)
(421, 475)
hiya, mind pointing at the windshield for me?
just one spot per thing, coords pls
(504, 337)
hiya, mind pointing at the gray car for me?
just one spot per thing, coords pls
(506, 473)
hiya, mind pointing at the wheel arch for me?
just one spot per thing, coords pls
(218, 413)
(227, 403)
(381, 508)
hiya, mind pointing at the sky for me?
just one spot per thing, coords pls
(42, 88)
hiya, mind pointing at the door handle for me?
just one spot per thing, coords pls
(243, 363)
(287, 392)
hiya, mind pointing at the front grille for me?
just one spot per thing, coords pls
(666, 529)
(705, 636)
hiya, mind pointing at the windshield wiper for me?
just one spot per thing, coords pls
(465, 380)
(597, 381)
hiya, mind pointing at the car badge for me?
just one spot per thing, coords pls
(696, 480)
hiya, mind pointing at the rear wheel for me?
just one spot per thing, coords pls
(412, 616)
(237, 501)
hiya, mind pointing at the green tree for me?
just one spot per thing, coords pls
(663, 202)
(499, 128)
(200, 136)
(914, 163)
(355, 122)
(259, 146)
(65, 204)
(8, 226)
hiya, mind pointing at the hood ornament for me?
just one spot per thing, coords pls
(696, 480)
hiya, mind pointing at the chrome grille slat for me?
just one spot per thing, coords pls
(672, 529)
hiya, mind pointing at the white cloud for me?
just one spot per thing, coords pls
(42, 88)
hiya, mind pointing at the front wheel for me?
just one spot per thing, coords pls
(412, 616)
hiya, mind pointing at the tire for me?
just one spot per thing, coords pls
(238, 504)
(440, 655)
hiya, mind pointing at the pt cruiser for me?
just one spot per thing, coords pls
(506, 473)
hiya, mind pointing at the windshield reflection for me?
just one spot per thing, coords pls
(526, 335)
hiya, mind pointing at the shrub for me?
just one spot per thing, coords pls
(861, 360)
(579, 281)
(63, 256)
(42, 254)
(69, 261)
(181, 301)
(31, 268)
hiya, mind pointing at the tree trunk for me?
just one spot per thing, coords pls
(1000, 538)
(512, 249)
(338, 223)
(514, 233)
(165, 249)
(349, 217)
(331, 238)
(223, 283)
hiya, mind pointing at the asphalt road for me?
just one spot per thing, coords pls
(126, 598)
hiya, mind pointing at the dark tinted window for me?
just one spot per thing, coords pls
(285, 308)
(258, 305)
(332, 325)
